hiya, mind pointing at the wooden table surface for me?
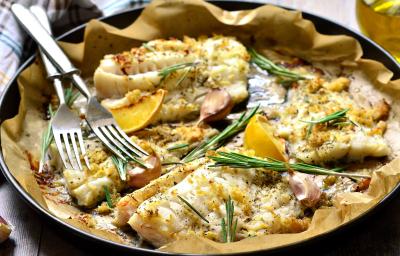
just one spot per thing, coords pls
(378, 235)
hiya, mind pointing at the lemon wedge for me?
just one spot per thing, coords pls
(137, 116)
(259, 137)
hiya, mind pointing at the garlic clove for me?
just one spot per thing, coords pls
(5, 230)
(216, 105)
(139, 177)
(304, 188)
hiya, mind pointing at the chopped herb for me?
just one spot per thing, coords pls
(121, 166)
(272, 68)
(177, 146)
(228, 226)
(236, 160)
(216, 141)
(108, 197)
(192, 208)
(148, 47)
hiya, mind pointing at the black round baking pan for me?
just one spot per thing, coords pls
(9, 103)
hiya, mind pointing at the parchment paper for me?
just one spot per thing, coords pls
(267, 27)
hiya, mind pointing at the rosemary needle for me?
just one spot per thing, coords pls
(331, 117)
(335, 117)
(171, 163)
(47, 138)
(228, 226)
(192, 208)
(121, 166)
(148, 47)
(272, 68)
(70, 96)
(165, 72)
(108, 197)
(236, 160)
(178, 146)
(216, 141)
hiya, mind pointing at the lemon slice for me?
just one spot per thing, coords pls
(137, 116)
(259, 137)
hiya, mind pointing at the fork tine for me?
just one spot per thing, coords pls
(83, 150)
(68, 149)
(122, 141)
(105, 141)
(75, 148)
(60, 148)
(123, 134)
(112, 140)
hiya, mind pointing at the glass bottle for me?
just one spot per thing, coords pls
(380, 21)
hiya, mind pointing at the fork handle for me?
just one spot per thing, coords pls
(52, 72)
(43, 38)
(49, 46)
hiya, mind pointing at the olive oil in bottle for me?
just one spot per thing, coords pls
(380, 21)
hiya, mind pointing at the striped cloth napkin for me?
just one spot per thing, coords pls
(64, 14)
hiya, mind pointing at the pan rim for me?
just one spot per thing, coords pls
(44, 213)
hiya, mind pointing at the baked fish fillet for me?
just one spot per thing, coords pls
(353, 138)
(173, 141)
(216, 62)
(264, 203)
(87, 186)
(128, 204)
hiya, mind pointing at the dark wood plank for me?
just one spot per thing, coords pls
(53, 242)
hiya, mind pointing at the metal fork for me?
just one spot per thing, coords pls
(99, 119)
(65, 124)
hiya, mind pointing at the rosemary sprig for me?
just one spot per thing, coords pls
(121, 166)
(331, 117)
(165, 72)
(228, 226)
(192, 208)
(184, 75)
(216, 141)
(336, 118)
(237, 160)
(178, 146)
(108, 197)
(47, 137)
(272, 68)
